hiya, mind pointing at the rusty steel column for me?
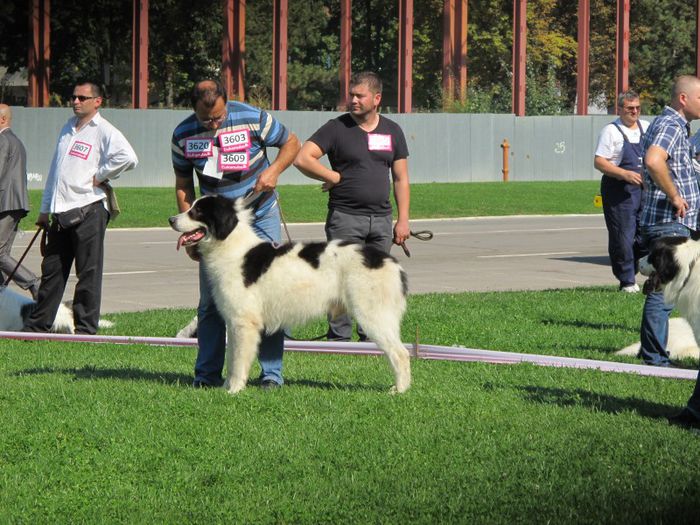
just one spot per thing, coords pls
(39, 53)
(460, 49)
(448, 39)
(623, 49)
(139, 56)
(279, 54)
(233, 49)
(345, 53)
(582, 64)
(405, 90)
(519, 55)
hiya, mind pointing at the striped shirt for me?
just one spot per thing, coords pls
(670, 132)
(228, 160)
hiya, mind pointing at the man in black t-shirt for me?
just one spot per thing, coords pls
(366, 151)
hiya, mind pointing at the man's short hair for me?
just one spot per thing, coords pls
(207, 92)
(628, 96)
(374, 83)
(95, 89)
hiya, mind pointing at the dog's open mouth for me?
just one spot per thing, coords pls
(190, 238)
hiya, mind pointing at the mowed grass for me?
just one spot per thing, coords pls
(113, 433)
(151, 207)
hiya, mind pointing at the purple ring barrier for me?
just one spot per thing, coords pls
(440, 353)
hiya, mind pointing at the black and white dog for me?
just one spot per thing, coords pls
(671, 267)
(15, 308)
(259, 286)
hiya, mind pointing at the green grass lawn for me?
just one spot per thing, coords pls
(112, 433)
(149, 207)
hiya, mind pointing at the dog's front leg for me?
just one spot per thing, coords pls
(242, 347)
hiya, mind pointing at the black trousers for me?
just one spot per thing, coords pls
(83, 244)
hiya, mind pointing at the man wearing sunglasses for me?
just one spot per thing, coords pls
(224, 144)
(619, 157)
(90, 152)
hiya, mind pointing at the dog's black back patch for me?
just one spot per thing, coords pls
(311, 253)
(374, 258)
(259, 259)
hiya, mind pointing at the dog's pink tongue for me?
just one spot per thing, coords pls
(180, 240)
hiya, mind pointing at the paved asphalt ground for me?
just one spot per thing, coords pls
(143, 270)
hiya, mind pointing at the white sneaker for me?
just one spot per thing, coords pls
(630, 288)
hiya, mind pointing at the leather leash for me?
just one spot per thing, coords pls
(19, 263)
(422, 235)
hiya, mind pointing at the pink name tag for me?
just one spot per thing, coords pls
(198, 148)
(234, 161)
(234, 140)
(379, 142)
(80, 150)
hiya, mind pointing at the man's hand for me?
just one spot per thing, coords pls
(680, 204)
(328, 185)
(401, 232)
(43, 221)
(632, 177)
(193, 252)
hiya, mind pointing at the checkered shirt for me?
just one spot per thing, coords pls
(670, 131)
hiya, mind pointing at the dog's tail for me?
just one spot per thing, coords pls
(631, 350)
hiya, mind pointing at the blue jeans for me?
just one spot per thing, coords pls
(654, 329)
(211, 328)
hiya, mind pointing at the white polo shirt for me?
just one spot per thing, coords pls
(97, 150)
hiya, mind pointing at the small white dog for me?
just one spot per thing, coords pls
(258, 286)
(15, 308)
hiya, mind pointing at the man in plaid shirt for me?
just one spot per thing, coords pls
(671, 199)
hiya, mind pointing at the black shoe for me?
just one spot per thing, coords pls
(201, 384)
(685, 419)
(269, 384)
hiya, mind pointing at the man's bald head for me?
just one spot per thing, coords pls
(685, 97)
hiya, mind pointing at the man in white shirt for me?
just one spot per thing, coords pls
(619, 157)
(90, 152)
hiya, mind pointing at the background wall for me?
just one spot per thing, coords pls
(444, 147)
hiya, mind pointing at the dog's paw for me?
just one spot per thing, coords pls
(233, 387)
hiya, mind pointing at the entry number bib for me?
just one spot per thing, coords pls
(234, 140)
(80, 149)
(198, 148)
(234, 161)
(379, 142)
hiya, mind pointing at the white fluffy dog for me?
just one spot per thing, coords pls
(681, 341)
(259, 286)
(671, 267)
(15, 308)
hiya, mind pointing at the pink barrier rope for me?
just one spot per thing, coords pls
(430, 352)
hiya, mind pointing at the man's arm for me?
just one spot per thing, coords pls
(308, 163)
(267, 180)
(655, 161)
(608, 168)
(184, 190)
(402, 195)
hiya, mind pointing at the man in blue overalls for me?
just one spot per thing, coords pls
(619, 157)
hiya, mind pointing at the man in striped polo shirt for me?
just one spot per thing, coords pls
(224, 143)
(671, 199)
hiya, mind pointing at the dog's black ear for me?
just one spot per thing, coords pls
(223, 219)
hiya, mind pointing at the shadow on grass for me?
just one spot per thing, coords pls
(130, 374)
(591, 400)
(586, 324)
(171, 378)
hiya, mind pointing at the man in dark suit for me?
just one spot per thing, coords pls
(14, 201)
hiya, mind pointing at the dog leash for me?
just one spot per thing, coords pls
(422, 235)
(19, 263)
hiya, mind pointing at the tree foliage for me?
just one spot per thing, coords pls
(94, 41)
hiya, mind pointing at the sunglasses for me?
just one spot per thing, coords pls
(209, 121)
(81, 98)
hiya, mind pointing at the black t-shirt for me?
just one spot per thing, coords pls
(364, 162)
